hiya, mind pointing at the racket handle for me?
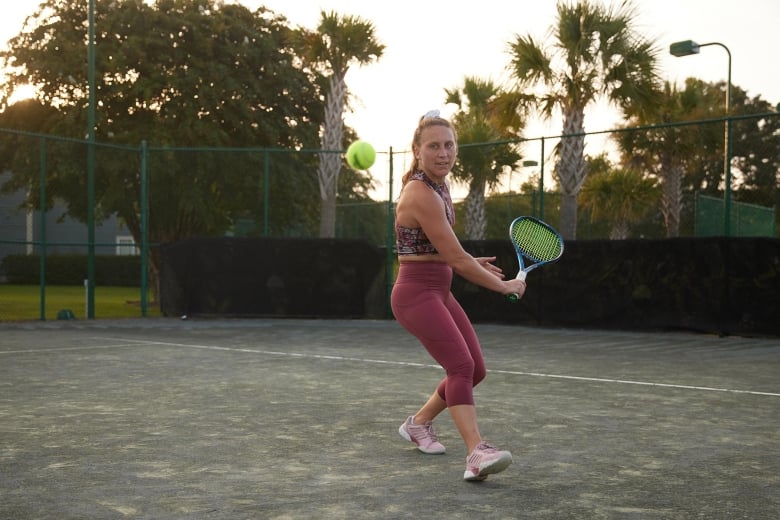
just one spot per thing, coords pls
(514, 297)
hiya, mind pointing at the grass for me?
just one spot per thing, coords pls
(23, 302)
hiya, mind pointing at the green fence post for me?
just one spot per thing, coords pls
(91, 166)
(389, 237)
(42, 250)
(541, 183)
(266, 189)
(144, 228)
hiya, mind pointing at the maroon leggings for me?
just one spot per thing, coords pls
(423, 304)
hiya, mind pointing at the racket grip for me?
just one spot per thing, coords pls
(514, 297)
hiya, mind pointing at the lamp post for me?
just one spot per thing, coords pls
(686, 48)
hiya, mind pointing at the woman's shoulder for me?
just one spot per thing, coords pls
(418, 189)
(418, 200)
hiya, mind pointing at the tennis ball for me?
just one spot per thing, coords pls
(360, 155)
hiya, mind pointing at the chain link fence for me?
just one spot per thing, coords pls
(134, 198)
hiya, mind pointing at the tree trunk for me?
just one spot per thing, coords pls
(153, 259)
(619, 230)
(328, 218)
(571, 170)
(568, 226)
(671, 200)
(330, 161)
(476, 217)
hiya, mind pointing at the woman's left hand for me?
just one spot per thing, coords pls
(487, 263)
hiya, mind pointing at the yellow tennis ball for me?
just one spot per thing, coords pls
(361, 155)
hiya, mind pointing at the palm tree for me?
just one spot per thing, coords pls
(481, 121)
(668, 151)
(596, 54)
(620, 196)
(340, 42)
(660, 151)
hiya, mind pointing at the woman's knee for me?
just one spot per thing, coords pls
(479, 374)
(471, 369)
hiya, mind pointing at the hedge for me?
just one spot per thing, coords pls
(71, 269)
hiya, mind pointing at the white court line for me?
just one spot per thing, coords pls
(60, 349)
(423, 365)
(642, 383)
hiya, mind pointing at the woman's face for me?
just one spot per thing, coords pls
(437, 151)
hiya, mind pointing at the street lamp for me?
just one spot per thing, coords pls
(686, 48)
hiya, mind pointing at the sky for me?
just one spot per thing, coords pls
(432, 45)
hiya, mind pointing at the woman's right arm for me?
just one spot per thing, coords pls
(424, 206)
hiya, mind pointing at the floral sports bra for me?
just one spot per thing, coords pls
(413, 241)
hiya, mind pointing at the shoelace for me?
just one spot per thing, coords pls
(430, 433)
(426, 431)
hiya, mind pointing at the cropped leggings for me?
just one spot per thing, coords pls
(423, 304)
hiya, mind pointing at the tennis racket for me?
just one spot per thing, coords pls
(536, 241)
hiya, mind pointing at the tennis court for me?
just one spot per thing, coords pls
(297, 419)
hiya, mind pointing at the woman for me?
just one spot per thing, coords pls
(428, 253)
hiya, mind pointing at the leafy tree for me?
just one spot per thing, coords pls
(664, 151)
(621, 196)
(689, 158)
(596, 53)
(755, 150)
(178, 73)
(480, 122)
(338, 43)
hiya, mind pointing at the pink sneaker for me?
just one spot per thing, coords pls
(422, 435)
(486, 460)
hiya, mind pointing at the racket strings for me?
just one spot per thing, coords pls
(536, 242)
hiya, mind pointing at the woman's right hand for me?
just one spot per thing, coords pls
(514, 286)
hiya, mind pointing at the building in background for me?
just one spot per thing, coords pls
(20, 231)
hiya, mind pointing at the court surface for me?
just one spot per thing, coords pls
(297, 419)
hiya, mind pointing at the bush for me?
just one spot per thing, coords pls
(110, 270)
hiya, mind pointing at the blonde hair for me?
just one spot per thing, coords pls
(425, 122)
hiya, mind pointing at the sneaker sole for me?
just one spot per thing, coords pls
(403, 433)
(491, 468)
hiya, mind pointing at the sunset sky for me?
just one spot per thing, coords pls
(432, 45)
